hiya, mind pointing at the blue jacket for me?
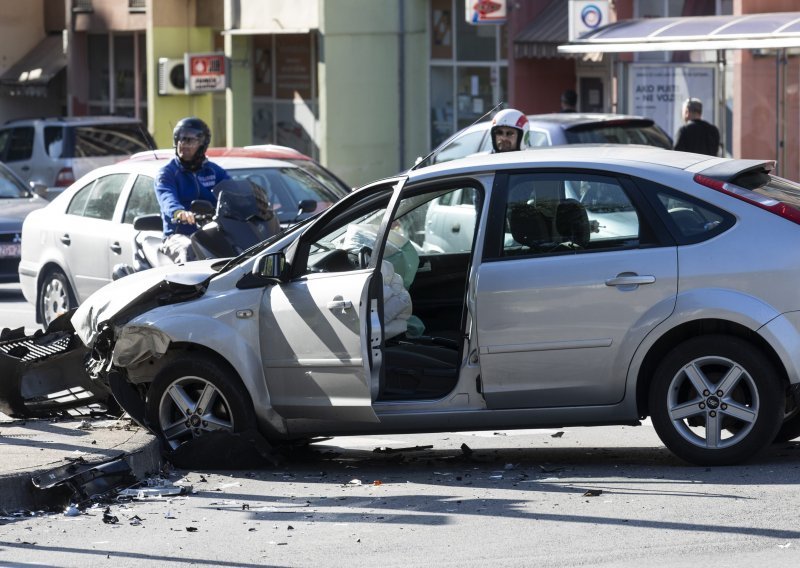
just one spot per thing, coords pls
(176, 188)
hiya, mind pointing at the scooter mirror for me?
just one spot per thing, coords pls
(202, 207)
(306, 206)
(148, 223)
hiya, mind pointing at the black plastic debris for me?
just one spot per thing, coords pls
(108, 518)
(593, 493)
(44, 374)
(385, 450)
(466, 450)
(557, 435)
(87, 481)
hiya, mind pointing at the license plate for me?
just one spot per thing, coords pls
(9, 250)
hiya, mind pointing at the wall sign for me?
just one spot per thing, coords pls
(658, 92)
(485, 11)
(205, 72)
(586, 16)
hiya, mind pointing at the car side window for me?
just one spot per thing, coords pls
(98, 199)
(21, 144)
(688, 219)
(142, 200)
(558, 213)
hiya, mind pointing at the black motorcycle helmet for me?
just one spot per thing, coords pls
(192, 126)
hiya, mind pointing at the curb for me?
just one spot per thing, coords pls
(17, 492)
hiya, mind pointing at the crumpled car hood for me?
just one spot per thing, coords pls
(122, 296)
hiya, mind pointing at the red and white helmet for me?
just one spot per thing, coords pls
(513, 118)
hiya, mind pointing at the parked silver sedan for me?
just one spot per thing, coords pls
(350, 324)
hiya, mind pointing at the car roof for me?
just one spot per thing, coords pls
(266, 151)
(150, 166)
(74, 120)
(572, 156)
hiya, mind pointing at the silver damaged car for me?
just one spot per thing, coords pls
(687, 312)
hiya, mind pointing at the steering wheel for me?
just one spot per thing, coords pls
(364, 256)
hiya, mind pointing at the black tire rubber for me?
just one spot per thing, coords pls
(789, 430)
(762, 378)
(194, 371)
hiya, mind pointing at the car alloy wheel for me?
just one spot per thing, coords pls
(716, 400)
(55, 296)
(194, 396)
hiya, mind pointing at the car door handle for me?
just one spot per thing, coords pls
(455, 228)
(65, 239)
(630, 279)
(340, 305)
(115, 248)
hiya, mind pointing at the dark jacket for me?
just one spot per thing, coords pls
(176, 188)
(698, 136)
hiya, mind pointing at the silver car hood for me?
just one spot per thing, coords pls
(123, 295)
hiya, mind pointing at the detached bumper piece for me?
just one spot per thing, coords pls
(86, 481)
(44, 375)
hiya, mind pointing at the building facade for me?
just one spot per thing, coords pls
(367, 86)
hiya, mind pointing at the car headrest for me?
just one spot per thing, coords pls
(527, 225)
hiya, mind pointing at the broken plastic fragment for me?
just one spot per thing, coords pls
(593, 493)
(354, 482)
(72, 511)
(557, 435)
(108, 518)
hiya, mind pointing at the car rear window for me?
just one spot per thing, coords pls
(634, 132)
(107, 140)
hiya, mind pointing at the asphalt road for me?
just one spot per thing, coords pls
(609, 496)
(14, 310)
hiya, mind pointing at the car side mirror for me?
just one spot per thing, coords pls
(267, 269)
(40, 189)
(306, 206)
(148, 223)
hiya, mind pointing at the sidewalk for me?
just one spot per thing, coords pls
(31, 447)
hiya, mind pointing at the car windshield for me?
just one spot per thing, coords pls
(286, 188)
(628, 133)
(10, 188)
(321, 174)
(109, 140)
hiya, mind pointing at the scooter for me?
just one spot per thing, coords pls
(242, 218)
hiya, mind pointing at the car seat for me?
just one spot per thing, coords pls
(572, 224)
(528, 226)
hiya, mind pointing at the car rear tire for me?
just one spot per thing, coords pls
(716, 400)
(195, 395)
(55, 296)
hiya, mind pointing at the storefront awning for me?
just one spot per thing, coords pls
(542, 37)
(39, 65)
(692, 33)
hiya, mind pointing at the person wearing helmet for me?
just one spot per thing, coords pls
(510, 130)
(188, 176)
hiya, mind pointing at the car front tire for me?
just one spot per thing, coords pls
(55, 296)
(716, 400)
(195, 395)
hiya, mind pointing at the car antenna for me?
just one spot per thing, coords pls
(147, 139)
(476, 121)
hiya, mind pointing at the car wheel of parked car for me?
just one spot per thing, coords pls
(195, 395)
(55, 296)
(716, 400)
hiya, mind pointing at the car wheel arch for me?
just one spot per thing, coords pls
(687, 330)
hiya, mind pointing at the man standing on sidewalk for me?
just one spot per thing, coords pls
(697, 135)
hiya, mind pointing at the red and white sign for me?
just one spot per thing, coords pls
(485, 11)
(205, 72)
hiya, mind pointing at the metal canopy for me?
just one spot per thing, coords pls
(39, 65)
(750, 31)
(542, 37)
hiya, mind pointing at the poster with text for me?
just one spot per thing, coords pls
(658, 92)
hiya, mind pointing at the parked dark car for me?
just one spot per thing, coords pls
(16, 201)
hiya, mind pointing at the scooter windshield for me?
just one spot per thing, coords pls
(241, 200)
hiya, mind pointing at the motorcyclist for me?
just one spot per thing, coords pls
(510, 131)
(188, 176)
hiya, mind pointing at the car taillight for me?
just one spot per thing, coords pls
(65, 177)
(767, 203)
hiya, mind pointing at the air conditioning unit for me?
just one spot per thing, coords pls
(171, 76)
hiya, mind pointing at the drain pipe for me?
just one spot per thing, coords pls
(401, 79)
